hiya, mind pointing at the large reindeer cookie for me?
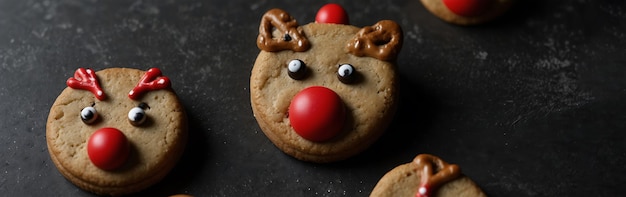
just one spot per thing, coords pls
(324, 92)
(426, 176)
(116, 131)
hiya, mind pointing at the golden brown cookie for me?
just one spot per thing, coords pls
(116, 131)
(467, 12)
(323, 92)
(427, 175)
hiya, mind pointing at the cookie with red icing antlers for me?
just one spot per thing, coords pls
(116, 131)
(467, 12)
(326, 90)
(426, 176)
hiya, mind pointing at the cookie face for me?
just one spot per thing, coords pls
(427, 175)
(467, 12)
(324, 92)
(116, 131)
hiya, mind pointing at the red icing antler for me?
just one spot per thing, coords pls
(431, 180)
(152, 80)
(86, 79)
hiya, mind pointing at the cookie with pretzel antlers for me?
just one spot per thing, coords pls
(324, 91)
(426, 176)
(116, 131)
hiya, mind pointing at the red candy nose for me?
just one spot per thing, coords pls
(108, 148)
(468, 8)
(332, 13)
(317, 114)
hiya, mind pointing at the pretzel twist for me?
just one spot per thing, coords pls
(382, 40)
(432, 180)
(293, 38)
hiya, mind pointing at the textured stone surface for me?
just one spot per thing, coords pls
(528, 105)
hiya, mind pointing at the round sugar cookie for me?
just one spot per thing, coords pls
(323, 92)
(427, 175)
(116, 131)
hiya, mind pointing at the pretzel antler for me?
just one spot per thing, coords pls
(432, 181)
(292, 37)
(86, 79)
(382, 40)
(152, 80)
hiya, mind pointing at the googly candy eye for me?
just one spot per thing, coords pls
(346, 73)
(137, 115)
(296, 69)
(89, 115)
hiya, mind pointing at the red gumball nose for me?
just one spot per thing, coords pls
(317, 114)
(108, 148)
(332, 13)
(468, 8)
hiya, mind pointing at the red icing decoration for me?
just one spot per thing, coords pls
(108, 148)
(152, 80)
(86, 79)
(332, 13)
(468, 8)
(317, 113)
(424, 190)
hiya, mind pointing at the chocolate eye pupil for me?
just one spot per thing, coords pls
(345, 73)
(88, 115)
(296, 69)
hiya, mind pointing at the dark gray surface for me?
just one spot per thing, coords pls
(529, 105)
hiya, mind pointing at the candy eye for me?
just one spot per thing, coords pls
(297, 69)
(137, 115)
(89, 115)
(346, 73)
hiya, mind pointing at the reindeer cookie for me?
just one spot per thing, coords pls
(323, 92)
(116, 131)
(426, 176)
(467, 12)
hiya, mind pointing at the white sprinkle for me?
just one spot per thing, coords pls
(482, 55)
(422, 190)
